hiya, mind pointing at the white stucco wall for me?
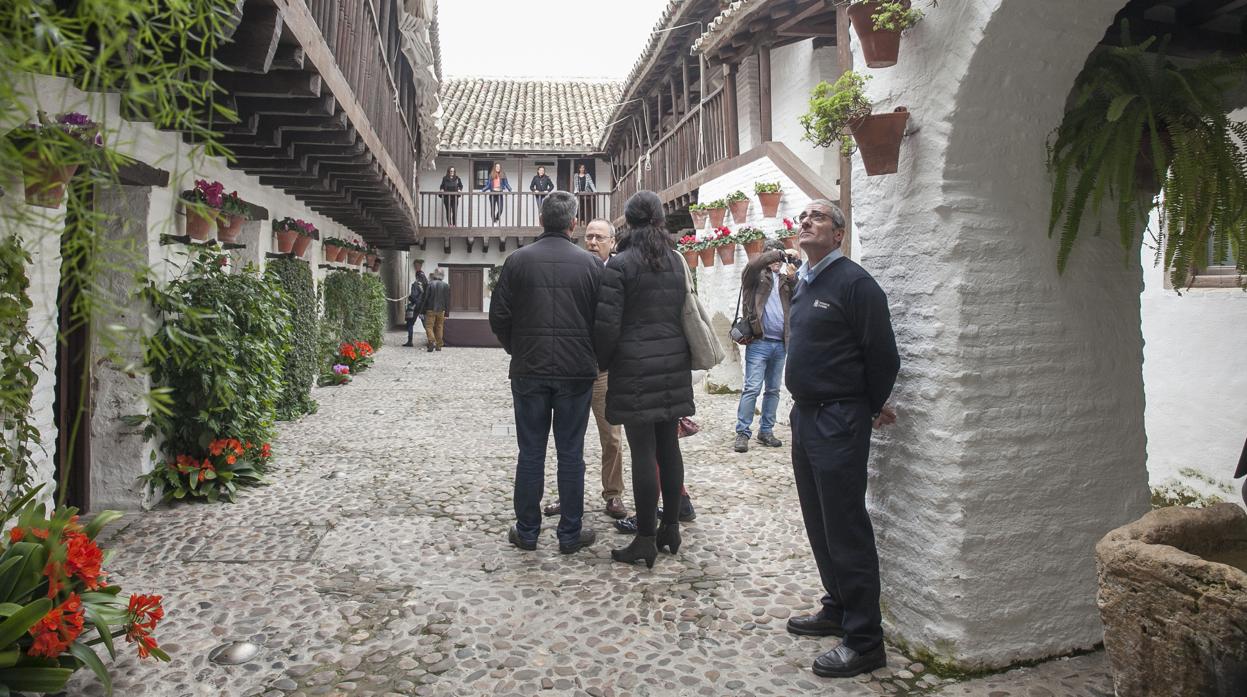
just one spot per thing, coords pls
(795, 70)
(1020, 437)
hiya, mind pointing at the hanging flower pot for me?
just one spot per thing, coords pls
(790, 242)
(707, 257)
(690, 258)
(753, 248)
(301, 243)
(878, 139)
(881, 47)
(286, 240)
(700, 216)
(717, 214)
(739, 209)
(198, 225)
(229, 233)
(372, 258)
(727, 253)
(45, 181)
(770, 203)
(354, 257)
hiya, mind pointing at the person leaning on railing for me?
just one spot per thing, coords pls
(582, 186)
(541, 185)
(451, 182)
(496, 181)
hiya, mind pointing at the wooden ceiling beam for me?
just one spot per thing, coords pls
(254, 44)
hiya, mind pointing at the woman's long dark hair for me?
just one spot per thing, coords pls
(647, 230)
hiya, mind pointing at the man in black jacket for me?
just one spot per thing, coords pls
(542, 312)
(844, 364)
(415, 299)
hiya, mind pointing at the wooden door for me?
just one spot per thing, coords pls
(467, 290)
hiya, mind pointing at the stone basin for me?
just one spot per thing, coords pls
(1173, 600)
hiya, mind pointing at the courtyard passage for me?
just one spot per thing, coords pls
(376, 563)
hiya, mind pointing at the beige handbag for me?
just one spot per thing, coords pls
(702, 343)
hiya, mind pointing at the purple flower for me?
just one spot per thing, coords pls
(74, 118)
(340, 369)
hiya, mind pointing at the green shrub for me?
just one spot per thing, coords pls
(218, 357)
(295, 279)
(356, 302)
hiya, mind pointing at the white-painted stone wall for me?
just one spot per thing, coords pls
(1020, 438)
(795, 70)
(114, 469)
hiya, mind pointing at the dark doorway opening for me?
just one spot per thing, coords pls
(72, 405)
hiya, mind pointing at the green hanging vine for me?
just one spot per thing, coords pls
(295, 278)
(20, 352)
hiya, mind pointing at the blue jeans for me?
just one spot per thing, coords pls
(764, 362)
(538, 403)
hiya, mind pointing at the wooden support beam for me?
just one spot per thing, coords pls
(446, 244)
(485, 243)
(730, 127)
(278, 83)
(254, 44)
(324, 105)
(844, 60)
(675, 101)
(288, 57)
(764, 92)
(684, 82)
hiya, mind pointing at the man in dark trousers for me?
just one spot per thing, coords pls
(415, 299)
(842, 368)
(542, 311)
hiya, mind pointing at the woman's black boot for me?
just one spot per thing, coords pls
(669, 536)
(642, 547)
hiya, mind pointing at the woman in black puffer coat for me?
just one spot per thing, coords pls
(639, 338)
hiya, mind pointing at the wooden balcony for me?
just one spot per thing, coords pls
(327, 109)
(477, 214)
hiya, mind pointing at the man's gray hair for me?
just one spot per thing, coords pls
(837, 215)
(436, 275)
(558, 211)
(603, 221)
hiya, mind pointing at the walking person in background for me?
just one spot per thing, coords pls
(541, 185)
(541, 310)
(639, 337)
(496, 181)
(766, 286)
(415, 300)
(450, 202)
(844, 364)
(436, 310)
(582, 186)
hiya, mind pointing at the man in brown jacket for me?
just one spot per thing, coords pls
(766, 289)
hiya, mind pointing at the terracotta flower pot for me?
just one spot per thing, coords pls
(699, 219)
(45, 181)
(770, 203)
(739, 210)
(353, 257)
(789, 242)
(878, 139)
(285, 241)
(690, 258)
(199, 227)
(727, 253)
(880, 48)
(372, 259)
(331, 253)
(716, 216)
(754, 248)
(301, 243)
(229, 233)
(707, 257)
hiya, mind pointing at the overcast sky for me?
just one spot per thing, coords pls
(544, 38)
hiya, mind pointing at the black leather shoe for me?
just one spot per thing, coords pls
(687, 514)
(514, 538)
(587, 538)
(814, 625)
(553, 509)
(408, 344)
(742, 443)
(769, 440)
(843, 662)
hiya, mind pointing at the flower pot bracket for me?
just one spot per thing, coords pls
(166, 240)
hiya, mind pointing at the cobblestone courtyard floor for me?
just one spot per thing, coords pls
(393, 576)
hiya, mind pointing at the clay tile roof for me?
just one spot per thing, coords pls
(719, 27)
(519, 115)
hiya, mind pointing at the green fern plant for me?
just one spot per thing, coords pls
(1139, 120)
(833, 108)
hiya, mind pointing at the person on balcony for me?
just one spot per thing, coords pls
(436, 310)
(450, 202)
(541, 310)
(582, 185)
(541, 185)
(766, 285)
(497, 182)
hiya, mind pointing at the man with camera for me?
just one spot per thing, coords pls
(762, 326)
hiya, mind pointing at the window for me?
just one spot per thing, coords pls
(1218, 269)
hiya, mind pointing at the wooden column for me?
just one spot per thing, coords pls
(764, 91)
(844, 60)
(731, 131)
(675, 102)
(684, 83)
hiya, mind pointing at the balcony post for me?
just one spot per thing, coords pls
(731, 133)
(764, 92)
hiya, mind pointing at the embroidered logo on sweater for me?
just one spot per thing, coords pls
(821, 305)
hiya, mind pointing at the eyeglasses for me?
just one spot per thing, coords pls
(816, 216)
(596, 238)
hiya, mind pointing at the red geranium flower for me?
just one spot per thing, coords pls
(58, 629)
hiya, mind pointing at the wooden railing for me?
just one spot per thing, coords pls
(480, 209)
(695, 143)
(364, 38)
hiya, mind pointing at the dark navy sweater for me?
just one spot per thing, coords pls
(840, 340)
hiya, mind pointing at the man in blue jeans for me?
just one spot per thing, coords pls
(542, 311)
(766, 286)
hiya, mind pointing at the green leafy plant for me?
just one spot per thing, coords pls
(20, 354)
(766, 188)
(302, 227)
(690, 243)
(748, 234)
(56, 603)
(301, 365)
(227, 464)
(231, 204)
(355, 303)
(833, 108)
(736, 196)
(218, 356)
(894, 15)
(692, 207)
(1139, 119)
(716, 204)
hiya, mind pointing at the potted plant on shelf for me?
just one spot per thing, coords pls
(372, 255)
(699, 214)
(787, 234)
(738, 203)
(335, 249)
(1138, 122)
(752, 239)
(879, 24)
(689, 246)
(717, 210)
(202, 205)
(233, 210)
(835, 109)
(355, 253)
(769, 194)
(52, 150)
(705, 250)
(725, 244)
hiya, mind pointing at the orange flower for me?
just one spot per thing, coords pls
(231, 459)
(16, 535)
(83, 559)
(266, 451)
(58, 629)
(144, 613)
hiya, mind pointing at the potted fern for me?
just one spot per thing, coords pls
(699, 214)
(879, 25)
(835, 109)
(769, 194)
(718, 211)
(1141, 122)
(738, 203)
